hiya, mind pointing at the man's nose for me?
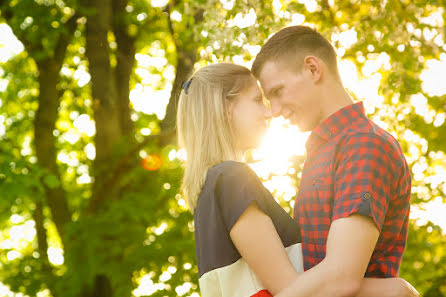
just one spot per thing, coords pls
(276, 108)
(267, 113)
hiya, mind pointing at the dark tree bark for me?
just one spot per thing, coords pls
(125, 56)
(105, 99)
(110, 90)
(186, 58)
(42, 246)
(44, 122)
(185, 65)
(44, 125)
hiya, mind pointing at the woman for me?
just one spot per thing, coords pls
(246, 244)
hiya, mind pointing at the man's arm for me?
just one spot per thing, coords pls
(350, 244)
(272, 266)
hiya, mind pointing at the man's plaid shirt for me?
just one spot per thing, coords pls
(354, 166)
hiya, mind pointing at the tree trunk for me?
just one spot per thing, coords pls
(42, 246)
(125, 56)
(186, 58)
(101, 288)
(44, 124)
(110, 125)
(105, 102)
(185, 66)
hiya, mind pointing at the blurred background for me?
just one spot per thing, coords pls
(89, 166)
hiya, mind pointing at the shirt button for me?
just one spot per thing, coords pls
(367, 196)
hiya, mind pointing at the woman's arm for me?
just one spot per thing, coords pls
(257, 241)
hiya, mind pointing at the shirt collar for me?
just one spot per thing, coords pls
(335, 123)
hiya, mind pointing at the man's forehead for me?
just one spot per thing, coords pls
(270, 68)
(270, 75)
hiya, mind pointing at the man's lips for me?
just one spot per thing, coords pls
(288, 115)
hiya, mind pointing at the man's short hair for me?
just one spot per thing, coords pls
(291, 45)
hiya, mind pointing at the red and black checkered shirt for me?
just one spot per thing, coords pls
(354, 166)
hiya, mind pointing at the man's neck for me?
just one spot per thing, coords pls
(335, 98)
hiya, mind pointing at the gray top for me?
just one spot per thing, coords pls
(230, 187)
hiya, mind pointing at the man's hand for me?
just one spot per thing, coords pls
(387, 287)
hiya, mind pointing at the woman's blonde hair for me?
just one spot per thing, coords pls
(203, 125)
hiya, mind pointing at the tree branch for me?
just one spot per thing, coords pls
(122, 166)
(125, 58)
(65, 38)
(327, 7)
(186, 58)
(168, 10)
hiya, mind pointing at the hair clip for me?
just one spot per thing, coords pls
(186, 85)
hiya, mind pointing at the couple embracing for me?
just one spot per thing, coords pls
(350, 220)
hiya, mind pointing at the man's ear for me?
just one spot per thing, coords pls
(314, 67)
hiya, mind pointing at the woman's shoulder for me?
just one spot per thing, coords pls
(227, 180)
(232, 169)
(232, 174)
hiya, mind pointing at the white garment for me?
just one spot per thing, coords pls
(238, 280)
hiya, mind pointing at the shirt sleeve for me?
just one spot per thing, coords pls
(365, 174)
(237, 187)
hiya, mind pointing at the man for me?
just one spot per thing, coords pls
(353, 201)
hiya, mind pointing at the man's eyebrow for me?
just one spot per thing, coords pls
(270, 91)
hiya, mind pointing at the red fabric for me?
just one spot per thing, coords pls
(354, 166)
(263, 293)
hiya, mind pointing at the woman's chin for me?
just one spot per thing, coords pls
(246, 147)
(254, 145)
(254, 142)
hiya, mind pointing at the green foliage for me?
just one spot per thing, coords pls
(148, 230)
(424, 259)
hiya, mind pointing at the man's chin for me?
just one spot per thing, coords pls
(301, 125)
(296, 122)
(303, 129)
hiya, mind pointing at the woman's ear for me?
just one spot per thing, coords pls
(229, 107)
